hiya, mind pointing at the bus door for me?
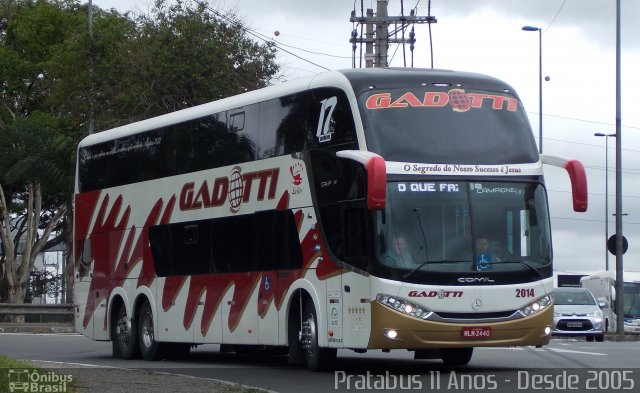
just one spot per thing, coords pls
(268, 326)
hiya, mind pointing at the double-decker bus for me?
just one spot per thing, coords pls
(358, 209)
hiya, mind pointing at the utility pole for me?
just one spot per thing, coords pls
(382, 34)
(377, 45)
(619, 235)
(369, 48)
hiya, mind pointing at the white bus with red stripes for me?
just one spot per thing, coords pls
(361, 209)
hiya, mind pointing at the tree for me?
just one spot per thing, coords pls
(178, 56)
(55, 77)
(33, 165)
(35, 151)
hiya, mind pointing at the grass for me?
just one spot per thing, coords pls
(6, 364)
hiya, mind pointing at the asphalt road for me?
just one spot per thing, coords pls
(566, 364)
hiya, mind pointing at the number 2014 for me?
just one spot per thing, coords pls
(525, 292)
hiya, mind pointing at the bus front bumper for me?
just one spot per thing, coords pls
(413, 333)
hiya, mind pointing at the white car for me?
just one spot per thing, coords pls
(576, 313)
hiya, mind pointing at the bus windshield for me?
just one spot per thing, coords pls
(631, 300)
(462, 227)
(447, 127)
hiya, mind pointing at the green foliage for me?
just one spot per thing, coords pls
(55, 77)
(179, 56)
(35, 151)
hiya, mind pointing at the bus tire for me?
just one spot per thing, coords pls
(124, 335)
(149, 347)
(456, 356)
(316, 357)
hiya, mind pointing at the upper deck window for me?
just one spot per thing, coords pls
(447, 125)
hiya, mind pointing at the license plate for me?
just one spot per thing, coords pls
(476, 332)
(574, 324)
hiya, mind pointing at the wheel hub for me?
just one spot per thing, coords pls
(308, 335)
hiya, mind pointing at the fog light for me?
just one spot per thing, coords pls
(547, 330)
(392, 334)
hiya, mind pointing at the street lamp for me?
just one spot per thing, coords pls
(606, 194)
(539, 30)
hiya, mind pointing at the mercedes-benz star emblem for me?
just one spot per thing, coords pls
(477, 304)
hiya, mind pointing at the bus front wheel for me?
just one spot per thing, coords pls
(456, 356)
(316, 357)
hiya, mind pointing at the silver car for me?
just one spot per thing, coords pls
(576, 313)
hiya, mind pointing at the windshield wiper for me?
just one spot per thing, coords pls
(523, 263)
(425, 263)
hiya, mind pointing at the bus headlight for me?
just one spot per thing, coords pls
(404, 306)
(536, 307)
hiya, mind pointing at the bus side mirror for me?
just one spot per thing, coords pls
(376, 183)
(376, 176)
(578, 177)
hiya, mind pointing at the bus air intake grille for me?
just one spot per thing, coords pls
(476, 316)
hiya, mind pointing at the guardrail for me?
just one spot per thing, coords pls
(39, 313)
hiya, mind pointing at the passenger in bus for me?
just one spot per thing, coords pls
(397, 253)
(484, 255)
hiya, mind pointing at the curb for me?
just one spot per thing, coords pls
(36, 328)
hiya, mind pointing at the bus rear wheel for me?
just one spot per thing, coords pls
(316, 358)
(456, 356)
(124, 335)
(149, 347)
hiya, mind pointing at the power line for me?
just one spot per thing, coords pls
(556, 16)
(257, 35)
(587, 144)
(312, 52)
(583, 120)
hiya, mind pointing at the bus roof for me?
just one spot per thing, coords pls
(358, 79)
(628, 275)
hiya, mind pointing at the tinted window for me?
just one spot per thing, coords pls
(331, 120)
(262, 241)
(282, 126)
(447, 126)
(337, 179)
(264, 130)
(347, 228)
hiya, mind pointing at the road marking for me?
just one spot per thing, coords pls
(75, 364)
(578, 352)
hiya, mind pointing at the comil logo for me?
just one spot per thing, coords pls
(33, 380)
(236, 189)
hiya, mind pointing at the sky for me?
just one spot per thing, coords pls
(579, 99)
